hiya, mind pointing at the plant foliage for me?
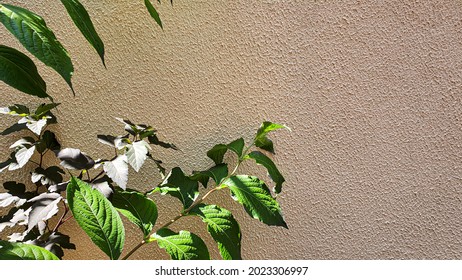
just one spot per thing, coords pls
(95, 191)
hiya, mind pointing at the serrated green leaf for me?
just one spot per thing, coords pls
(152, 11)
(21, 251)
(180, 186)
(33, 33)
(261, 140)
(217, 153)
(217, 173)
(139, 209)
(97, 217)
(82, 20)
(256, 198)
(237, 146)
(273, 171)
(181, 246)
(20, 72)
(223, 228)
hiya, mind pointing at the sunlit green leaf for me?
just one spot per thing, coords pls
(33, 33)
(82, 20)
(21, 251)
(223, 228)
(261, 140)
(181, 246)
(139, 209)
(256, 198)
(97, 217)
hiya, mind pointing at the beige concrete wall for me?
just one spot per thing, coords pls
(371, 89)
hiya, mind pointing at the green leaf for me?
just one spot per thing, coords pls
(180, 186)
(152, 11)
(256, 198)
(237, 146)
(264, 142)
(82, 20)
(273, 171)
(21, 251)
(33, 33)
(43, 109)
(139, 209)
(97, 217)
(217, 153)
(48, 141)
(20, 72)
(217, 173)
(223, 228)
(181, 246)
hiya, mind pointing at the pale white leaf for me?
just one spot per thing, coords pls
(7, 199)
(137, 154)
(45, 207)
(23, 155)
(117, 170)
(22, 142)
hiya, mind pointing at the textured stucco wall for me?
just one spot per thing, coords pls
(372, 92)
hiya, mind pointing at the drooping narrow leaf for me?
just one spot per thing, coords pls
(21, 251)
(139, 209)
(152, 11)
(137, 154)
(261, 140)
(82, 20)
(273, 171)
(180, 186)
(20, 72)
(33, 33)
(97, 217)
(223, 228)
(256, 198)
(181, 246)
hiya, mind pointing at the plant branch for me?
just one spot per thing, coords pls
(61, 220)
(184, 213)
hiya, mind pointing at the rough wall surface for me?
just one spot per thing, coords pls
(372, 92)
